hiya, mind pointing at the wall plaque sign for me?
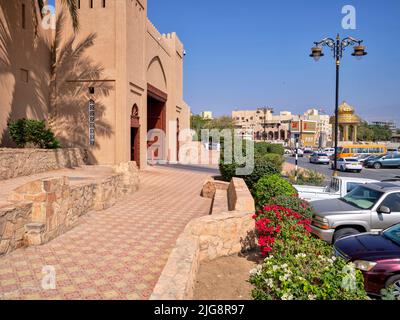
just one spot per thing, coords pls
(92, 118)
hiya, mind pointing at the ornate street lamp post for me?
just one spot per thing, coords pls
(338, 46)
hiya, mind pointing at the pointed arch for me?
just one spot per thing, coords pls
(156, 75)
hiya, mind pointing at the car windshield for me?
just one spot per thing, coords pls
(351, 160)
(393, 234)
(322, 155)
(363, 197)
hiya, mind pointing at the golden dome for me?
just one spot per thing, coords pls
(346, 109)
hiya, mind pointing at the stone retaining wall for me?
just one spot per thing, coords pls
(13, 219)
(24, 162)
(42, 210)
(205, 239)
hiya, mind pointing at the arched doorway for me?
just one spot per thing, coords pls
(135, 134)
(283, 135)
(270, 136)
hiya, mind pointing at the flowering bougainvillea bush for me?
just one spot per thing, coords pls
(294, 203)
(278, 227)
(299, 266)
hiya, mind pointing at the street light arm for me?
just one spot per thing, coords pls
(326, 42)
(349, 41)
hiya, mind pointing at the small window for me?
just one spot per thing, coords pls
(91, 4)
(104, 3)
(23, 16)
(79, 4)
(24, 75)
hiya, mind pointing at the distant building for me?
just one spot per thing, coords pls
(304, 131)
(207, 115)
(390, 124)
(312, 129)
(263, 124)
(395, 138)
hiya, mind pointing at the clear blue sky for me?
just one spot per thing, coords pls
(247, 54)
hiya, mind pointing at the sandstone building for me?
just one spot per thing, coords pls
(114, 81)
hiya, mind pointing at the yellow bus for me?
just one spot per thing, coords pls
(352, 150)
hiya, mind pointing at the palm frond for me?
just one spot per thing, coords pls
(73, 11)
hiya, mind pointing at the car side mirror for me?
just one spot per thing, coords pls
(384, 210)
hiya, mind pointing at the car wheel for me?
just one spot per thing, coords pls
(377, 165)
(358, 171)
(394, 282)
(344, 233)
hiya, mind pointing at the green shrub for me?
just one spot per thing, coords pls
(307, 275)
(271, 186)
(27, 132)
(295, 204)
(264, 165)
(306, 177)
(263, 148)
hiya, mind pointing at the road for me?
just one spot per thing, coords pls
(367, 173)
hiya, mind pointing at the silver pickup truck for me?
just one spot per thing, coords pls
(368, 208)
(339, 187)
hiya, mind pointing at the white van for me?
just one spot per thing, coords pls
(329, 151)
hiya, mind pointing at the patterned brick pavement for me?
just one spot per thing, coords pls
(118, 253)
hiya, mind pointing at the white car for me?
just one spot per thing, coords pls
(300, 153)
(329, 151)
(348, 164)
(338, 188)
(319, 157)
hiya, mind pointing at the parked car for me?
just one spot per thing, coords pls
(363, 157)
(300, 153)
(339, 187)
(288, 151)
(368, 163)
(389, 160)
(308, 150)
(317, 157)
(369, 207)
(329, 151)
(348, 164)
(377, 255)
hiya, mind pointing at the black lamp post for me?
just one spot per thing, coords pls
(338, 46)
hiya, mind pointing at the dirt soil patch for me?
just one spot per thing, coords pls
(226, 278)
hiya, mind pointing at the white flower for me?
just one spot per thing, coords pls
(287, 296)
(275, 267)
(301, 255)
(256, 271)
(284, 277)
(312, 297)
(269, 282)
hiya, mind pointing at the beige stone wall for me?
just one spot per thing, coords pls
(24, 66)
(42, 210)
(131, 53)
(13, 218)
(23, 162)
(204, 239)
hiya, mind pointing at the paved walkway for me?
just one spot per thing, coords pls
(118, 253)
